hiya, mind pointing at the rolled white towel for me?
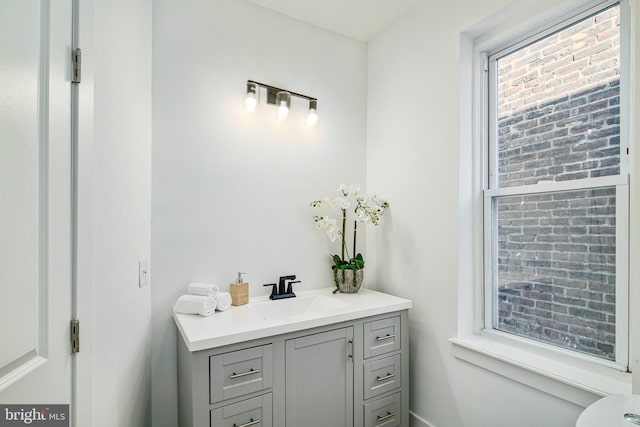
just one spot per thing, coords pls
(224, 301)
(195, 304)
(204, 289)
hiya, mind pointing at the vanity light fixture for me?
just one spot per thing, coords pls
(281, 98)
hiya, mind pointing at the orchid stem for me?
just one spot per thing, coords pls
(344, 225)
(355, 229)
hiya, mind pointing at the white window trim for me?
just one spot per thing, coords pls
(578, 383)
(576, 379)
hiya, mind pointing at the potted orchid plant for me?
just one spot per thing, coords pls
(348, 268)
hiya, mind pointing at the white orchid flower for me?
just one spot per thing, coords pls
(350, 200)
(363, 199)
(362, 215)
(319, 222)
(345, 203)
(354, 190)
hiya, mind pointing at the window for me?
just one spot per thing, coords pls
(556, 189)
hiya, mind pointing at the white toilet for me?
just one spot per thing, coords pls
(620, 410)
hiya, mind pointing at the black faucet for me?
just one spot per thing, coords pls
(282, 281)
(283, 289)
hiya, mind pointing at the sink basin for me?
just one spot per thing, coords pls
(308, 305)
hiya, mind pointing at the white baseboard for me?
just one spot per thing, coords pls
(416, 421)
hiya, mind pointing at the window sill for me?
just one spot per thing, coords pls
(580, 382)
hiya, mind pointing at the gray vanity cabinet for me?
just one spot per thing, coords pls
(319, 379)
(348, 374)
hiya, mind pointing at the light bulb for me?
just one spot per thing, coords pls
(312, 117)
(250, 102)
(283, 110)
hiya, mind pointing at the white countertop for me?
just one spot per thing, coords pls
(263, 317)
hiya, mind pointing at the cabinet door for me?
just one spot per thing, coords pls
(319, 380)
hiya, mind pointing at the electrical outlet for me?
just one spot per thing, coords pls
(143, 272)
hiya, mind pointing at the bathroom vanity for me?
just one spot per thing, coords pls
(316, 360)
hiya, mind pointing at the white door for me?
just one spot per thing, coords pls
(35, 201)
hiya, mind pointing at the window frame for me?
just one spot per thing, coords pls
(486, 76)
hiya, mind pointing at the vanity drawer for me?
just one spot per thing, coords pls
(255, 412)
(240, 372)
(381, 336)
(382, 376)
(383, 412)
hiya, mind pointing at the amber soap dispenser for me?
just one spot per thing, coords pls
(239, 291)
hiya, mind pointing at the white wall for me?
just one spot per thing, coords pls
(231, 190)
(121, 167)
(412, 158)
(635, 205)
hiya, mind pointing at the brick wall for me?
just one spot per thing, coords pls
(558, 108)
(584, 55)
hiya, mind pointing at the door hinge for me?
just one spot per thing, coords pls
(76, 61)
(75, 336)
